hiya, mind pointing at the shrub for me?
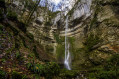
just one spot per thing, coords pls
(90, 42)
(3, 60)
(109, 70)
(16, 75)
(2, 74)
(47, 70)
(51, 69)
(12, 15)
(58, 39)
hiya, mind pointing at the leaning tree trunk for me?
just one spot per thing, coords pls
(32, 11)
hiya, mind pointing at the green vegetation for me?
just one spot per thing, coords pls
(11, 15)
(17, 75)
(19, 57)
(14, 75)
(35, 51)
(48, 70)
(71, 11)
(59, 39)
(30, 36)
(108, 70)
(94, 20)
(23, 41)
(72, 47)
(60, 50)
(68, 73)
(90, 42)
(2, 74)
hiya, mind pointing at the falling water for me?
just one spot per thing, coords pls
(67, 60)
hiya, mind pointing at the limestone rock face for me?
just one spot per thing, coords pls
(102, 20)
(82, 9)
(40, 20)
(98, 17)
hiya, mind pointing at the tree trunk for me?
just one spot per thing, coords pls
(32, 11)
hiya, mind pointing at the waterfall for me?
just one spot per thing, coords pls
(67, 60)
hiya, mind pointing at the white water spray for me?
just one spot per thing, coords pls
(67, 60)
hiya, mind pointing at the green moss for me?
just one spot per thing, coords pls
(59, 39)
(71, 41)
(107, 70)
(60, 50)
